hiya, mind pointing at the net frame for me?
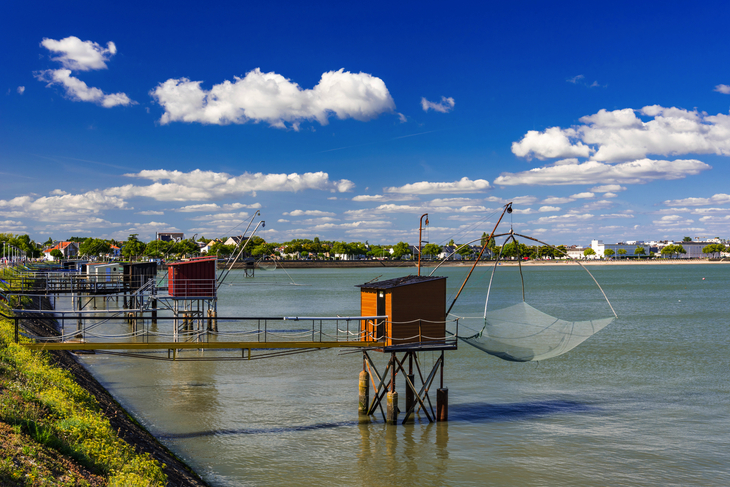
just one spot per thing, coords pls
(566, 335)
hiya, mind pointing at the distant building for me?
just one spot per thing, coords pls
(114, 251)
(235, 240)
(575, 252)
(206, 248)
(68, 249)
(693, 249)
(629, 246)
(449, 251)
(170, 236)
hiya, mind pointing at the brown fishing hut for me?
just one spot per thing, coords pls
(415, 306)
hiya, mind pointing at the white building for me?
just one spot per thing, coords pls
(576, 252)
(68, 249)
(235, 240)
(629, 246)
(693, 250)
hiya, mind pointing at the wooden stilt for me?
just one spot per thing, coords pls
(364, 399)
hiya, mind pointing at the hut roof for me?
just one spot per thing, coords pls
(398, 282)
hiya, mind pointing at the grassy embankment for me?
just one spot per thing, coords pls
(52, 431)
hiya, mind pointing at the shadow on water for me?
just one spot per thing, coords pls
(256, 431)
(482, 412)
(473, 413)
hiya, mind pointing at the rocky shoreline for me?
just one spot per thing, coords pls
(178, 473)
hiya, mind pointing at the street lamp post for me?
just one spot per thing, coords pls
(420, 228)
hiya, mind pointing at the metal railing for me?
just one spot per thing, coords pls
(134, 326)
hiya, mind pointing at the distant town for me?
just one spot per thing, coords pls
(174, 246)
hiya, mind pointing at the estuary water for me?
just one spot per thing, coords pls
(645, 402)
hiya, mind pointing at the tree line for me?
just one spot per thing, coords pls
(134, 249)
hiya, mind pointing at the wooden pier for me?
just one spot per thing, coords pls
(400, 317)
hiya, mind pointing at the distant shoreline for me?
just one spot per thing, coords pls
(355, 264)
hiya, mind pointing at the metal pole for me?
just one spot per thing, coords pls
(507, 209)
(420, 227)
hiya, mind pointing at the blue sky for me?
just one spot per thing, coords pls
(347, 122)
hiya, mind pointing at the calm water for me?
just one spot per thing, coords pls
(644, 402)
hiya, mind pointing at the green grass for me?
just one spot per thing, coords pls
(50, 408)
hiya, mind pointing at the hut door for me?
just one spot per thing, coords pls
(380, 329)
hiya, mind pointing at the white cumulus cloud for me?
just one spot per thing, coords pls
(77, 90)
(382, 198)
(715, 219)
(550, 144)
(608, 188)
(718, 199)
(208, 185)
(620, 135)
(568, 218)
(220, 218)
(308, 213)
(274, 99)
(555, 200)
(21, 90)
(61, 207)
(77, 55)
(214, 207)
(11, 226)
(593, 172)
(517, 200)
(672, 220)
(464, 185)
(444, 106)
(724, 89)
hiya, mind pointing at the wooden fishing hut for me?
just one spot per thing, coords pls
(75, 265)
(194, 278)
(136, 275)
(412, 319)
(416, 310)
(192, 287)
(104, 272)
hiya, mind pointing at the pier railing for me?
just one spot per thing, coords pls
(134, 326)
(139, 329)
(65, 283)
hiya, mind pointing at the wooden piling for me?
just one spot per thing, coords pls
(212, 321)
(442, 404)
(410, 395)
(364, 400)
(391, 415)
(153, 305)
